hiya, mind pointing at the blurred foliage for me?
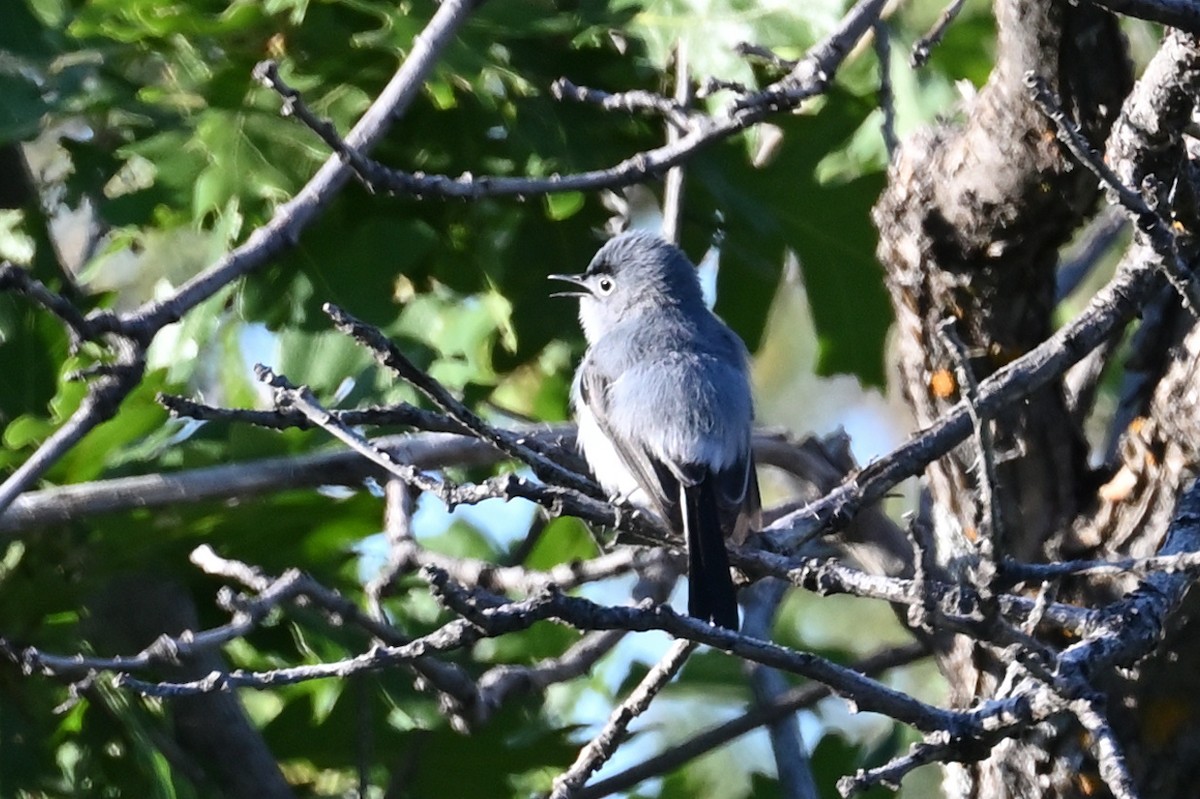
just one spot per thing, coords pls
(154, 152)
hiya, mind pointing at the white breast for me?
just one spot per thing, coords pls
(606, 464)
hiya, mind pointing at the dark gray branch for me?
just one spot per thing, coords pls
(604, 745)
(136, 330)
(781, 707)
(1112, 307)
(388, 354)
(1147, 220)
(811, 76)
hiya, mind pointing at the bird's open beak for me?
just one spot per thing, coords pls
(576, 280)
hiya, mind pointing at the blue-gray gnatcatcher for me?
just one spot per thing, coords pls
(662, 400)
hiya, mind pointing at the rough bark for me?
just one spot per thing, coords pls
(1157, 705)
(971, 224)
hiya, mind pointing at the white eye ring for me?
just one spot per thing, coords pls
(605, 284)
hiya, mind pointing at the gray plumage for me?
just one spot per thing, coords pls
(663, 404)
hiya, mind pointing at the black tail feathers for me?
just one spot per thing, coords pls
(711, 595)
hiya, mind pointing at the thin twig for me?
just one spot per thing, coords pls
(891, 773)
(675, 112)
(14, 278)
(1107, 747)
(601, 748)
(302, 400)
(990, 542)
(672, 218)
(500, 683)
(923, 47)
(781, 707)
(401, 415)
(1082, 258)
(887, 97)
(958, 601)
(101, 403)
(751, 50)
(1145, 218)
(388, 354)
(399, 502)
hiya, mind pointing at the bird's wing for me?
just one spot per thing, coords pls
(657, 479)
(736, 488)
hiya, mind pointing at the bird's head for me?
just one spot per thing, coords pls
(632, 274)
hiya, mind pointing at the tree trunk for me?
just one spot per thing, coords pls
(970, 225)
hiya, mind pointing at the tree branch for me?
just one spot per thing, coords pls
(137, 329)
(811, 76)
(602, 747)
(779, 708)
(1112, 307)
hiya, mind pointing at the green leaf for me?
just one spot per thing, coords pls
(563, 540)
(782, 205)
(564, 206)
(22, 105)
(29, 30)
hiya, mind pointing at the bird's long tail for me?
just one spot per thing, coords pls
(711, 595)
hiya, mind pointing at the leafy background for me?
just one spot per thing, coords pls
(153, 152)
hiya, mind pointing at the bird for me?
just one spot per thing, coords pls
(663, 406)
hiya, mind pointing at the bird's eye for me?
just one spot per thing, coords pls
(605, 284)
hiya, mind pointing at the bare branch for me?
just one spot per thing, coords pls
(887, 98)
(253, 478)
(792, 765)
(284, 228)
(14, 278)
(35, 509)
(781, 707)
(1095, 242)
(990, 542)
(672, 217)
(104, 397)
(923, 47)
(602, 747)
(889, 774)
(388, 354)
(675, 112)
(1112, 307)
(1107, 747)
(1184, 562)
(958, 604)
(811, 76)
(1146, 220)
(501, 682)
(522, 581)
(402, 415)
(302, 400)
